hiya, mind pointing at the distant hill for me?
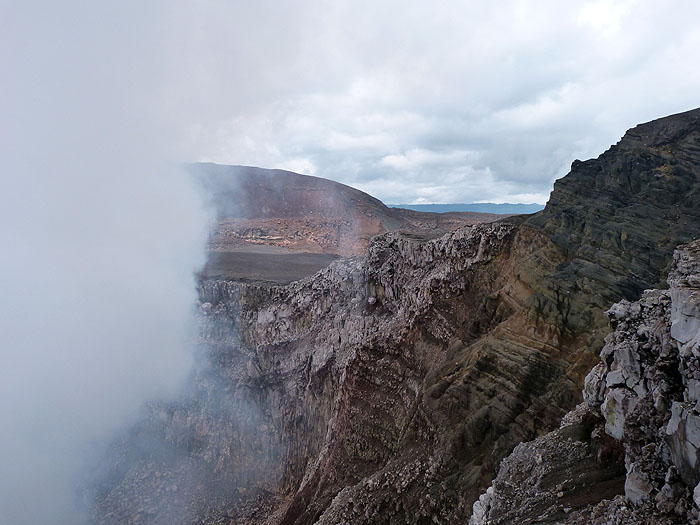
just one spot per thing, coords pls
(480, 207)
(277, 212)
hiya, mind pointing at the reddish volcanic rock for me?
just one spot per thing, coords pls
(295, 212)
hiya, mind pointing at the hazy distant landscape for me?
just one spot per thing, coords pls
(481, 207)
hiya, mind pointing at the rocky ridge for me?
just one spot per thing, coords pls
(388, 388)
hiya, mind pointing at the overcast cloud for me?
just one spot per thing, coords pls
(441, 102)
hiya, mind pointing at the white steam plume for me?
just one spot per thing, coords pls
(100, 234)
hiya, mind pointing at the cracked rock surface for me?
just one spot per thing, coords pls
(642, 399)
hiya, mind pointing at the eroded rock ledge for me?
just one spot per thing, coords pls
(641, 415)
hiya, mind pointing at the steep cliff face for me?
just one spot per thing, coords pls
(619, 217)
(317, 384)
(642, 400)
(344, 355)
(387, 388)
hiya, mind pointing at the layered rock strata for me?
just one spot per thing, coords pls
(388, 388)
(643, 399)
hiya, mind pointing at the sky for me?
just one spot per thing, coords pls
(414, 102)
(456, 101)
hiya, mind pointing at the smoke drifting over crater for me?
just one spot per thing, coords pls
(101, 235)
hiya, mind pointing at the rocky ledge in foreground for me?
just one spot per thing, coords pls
(641, 419)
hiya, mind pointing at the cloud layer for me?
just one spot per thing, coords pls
(456, 102)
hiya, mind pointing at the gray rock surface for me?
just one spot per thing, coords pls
(643, 394)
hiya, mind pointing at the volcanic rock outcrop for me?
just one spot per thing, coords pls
(388, 388)
(642, 404)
